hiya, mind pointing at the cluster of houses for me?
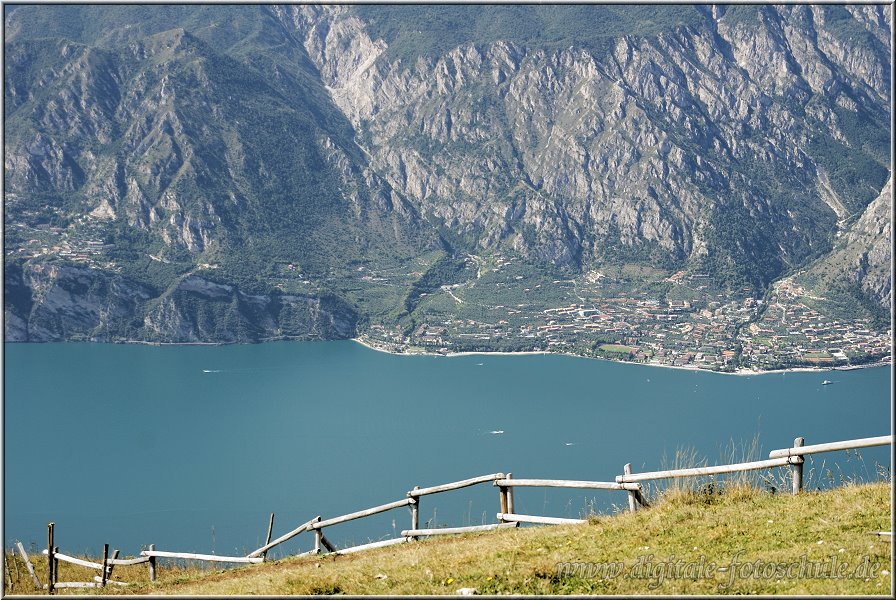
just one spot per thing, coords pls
(714, 335)
(791, 332)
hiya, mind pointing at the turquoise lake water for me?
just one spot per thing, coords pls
(191, 448)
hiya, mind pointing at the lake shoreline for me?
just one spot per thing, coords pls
(738, 372)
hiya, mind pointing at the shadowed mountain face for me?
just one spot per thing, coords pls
(214, 173)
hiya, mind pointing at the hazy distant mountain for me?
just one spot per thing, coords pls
(231, 173)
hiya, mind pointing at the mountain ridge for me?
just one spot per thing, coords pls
(329, 153)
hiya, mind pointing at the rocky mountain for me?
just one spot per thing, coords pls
(872, 235)
(858, 272)
(180, 161)
(662, 142)
(211, 173)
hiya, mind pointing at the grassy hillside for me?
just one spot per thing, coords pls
(740, 524)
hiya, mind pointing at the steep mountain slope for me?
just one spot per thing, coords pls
(236, 173)
(183, 158)
(729, 139)
(857, 275)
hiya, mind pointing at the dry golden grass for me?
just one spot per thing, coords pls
(739, 522)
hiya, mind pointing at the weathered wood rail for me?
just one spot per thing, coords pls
(454, 530)
(205, 557)
(362, 513)
(372, 545)
(800, 450)
(447, 487)
(561, 483)
(628, 482)
(699, 471)
(514, 518)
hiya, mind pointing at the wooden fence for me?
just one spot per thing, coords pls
(628, 482)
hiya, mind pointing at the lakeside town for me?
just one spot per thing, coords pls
(615, 316)
(705, 332)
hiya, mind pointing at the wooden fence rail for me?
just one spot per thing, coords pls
(98, 579)
(128, 561)
(447, 487)
(370, 546)
(205, 557)
(74, 561)
(882, 440)
(455, 530)
(97, 583)
(698, 471)
(628, 482)
(74, 584)
(539, 520)
(565, 483)
(363, 513)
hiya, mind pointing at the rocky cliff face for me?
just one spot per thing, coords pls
(254, 144)
(860, 263)
(175, 138)
(557, 154)
(57, 303)
(873, 233)
(168, 152)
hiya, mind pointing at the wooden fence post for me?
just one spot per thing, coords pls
(632, 500)
(152, 564)
(796, 467)
(317, 536)
(510, 495)
(267, 540)
(112, 566)
(327, 544)
(502, 500)
(15, 563)
(415, 511)
(28, 565)
(105, 565)
(50, 559)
